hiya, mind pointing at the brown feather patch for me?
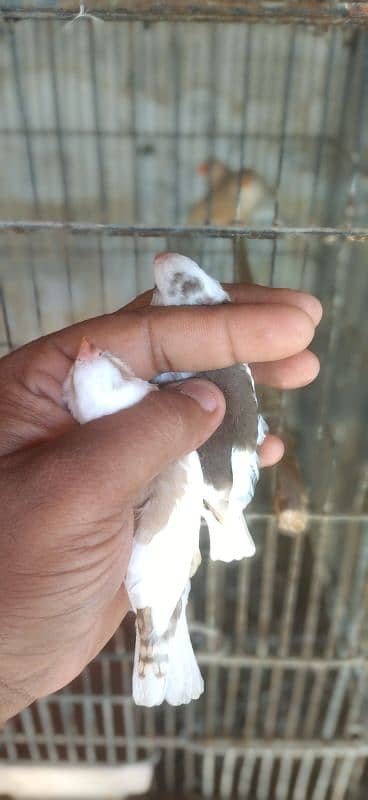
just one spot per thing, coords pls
(152, 647)
(239, 427)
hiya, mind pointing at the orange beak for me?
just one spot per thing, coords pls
(247, 181)
(202, 169)
(87, 351)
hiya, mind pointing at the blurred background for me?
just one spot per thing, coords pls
(235, 134)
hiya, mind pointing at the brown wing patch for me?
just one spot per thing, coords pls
(155, 507)
(153, 649)
(239, 427)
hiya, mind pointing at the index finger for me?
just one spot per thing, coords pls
(254, 293)
(194, 338)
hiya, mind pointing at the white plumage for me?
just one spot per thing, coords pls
(165, 550)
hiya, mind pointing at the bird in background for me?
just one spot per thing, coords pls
(165, 550)
(229, 458)
(233, 196)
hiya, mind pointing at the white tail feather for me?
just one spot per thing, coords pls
(230, 539)
(184, 682)
(165, 667)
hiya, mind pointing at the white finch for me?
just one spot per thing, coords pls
(165, 550)
(229, 458)
(233, 196)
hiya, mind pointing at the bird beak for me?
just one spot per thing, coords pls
(161, 258)
(87, 351)
(162, 265)
(246, 181)
(202, 169)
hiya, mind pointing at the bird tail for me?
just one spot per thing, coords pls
(230, 539)
(165, 667)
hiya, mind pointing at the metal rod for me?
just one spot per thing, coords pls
(128, 133)
(283, 780)
(324, 777)
(343, 776)
(312, 612)
(245, 100)
(48, 728)
(336, 699)
(133, 121)
(356, 776)
(321, 140)
(189, 758)
(284, 118)
(107, 715)
(212, 115)
(227, 774)
(314, 663)
(30, 735)
(265, 613)
(169, 762)
(100, 150)
(354, 721)
(67, 205)
(176, 57)
(83, 228)
(23, 113)
(208, 770)
(246, 774)
(301, 785)
(208, 773)
(265, 775)
(129, 710)
(87, 705)
(305, 13)
(233, 677)
(287, 616)
(280, 747)
(8, 342)
(343, 589)
(7, 741)
(70, 730)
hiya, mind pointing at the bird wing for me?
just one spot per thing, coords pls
(245, 469)
(166, 541)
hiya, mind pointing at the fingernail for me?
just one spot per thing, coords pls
(201, 391)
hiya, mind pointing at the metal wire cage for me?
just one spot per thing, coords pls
(102, 127)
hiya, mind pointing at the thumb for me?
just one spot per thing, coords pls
(111, 459)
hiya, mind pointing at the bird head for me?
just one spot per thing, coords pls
(215, 170)
(99, 383)
(181, 282)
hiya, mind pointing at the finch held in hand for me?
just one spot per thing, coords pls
(165, 551)
(229, 458)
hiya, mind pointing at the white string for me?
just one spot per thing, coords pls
(83, 14)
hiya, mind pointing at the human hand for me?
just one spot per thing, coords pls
(67, 492)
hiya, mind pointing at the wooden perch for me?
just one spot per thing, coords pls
(291, 499)
(242, 268)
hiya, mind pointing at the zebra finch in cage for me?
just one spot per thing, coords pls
(229, 458)
(165, 550)
(232, 196)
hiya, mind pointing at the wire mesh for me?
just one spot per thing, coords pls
(102, 130)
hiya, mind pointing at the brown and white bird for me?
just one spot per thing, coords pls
(233, 197)
(229, 458)
(165, 551)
